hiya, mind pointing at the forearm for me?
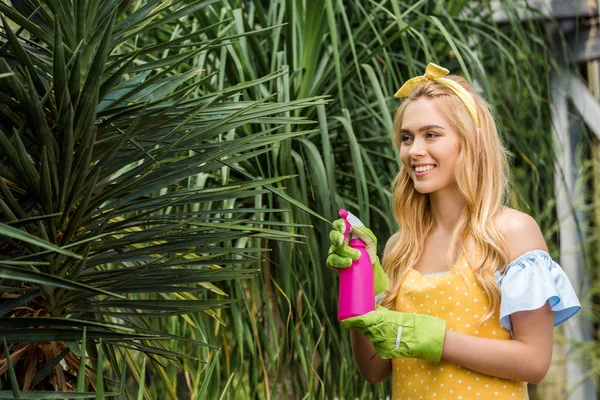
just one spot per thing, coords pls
(509, 359)
(371, 366)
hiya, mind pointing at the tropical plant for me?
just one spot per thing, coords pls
(118, 152)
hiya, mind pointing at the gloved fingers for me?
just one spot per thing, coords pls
(364, 322)
(336, 238)
(354, 324)
(336, 261)
(339, 225)
(347, 251)
(344, 251)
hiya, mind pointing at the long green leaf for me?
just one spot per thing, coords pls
(14, 385)
(81, 378)
(15, 273)
(26, 237)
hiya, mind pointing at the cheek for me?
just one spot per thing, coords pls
(449, 155)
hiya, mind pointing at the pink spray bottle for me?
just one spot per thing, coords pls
(356, 282)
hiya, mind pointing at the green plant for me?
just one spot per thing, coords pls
(105, 120)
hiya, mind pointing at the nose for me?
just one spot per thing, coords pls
(417, 148)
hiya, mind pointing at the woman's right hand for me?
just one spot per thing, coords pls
(371, 366)
(340, 254)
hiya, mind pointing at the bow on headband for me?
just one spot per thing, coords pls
(436, 73)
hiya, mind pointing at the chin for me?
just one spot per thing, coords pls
(424, 189)
(432, 187)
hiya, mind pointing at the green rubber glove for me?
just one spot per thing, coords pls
(341, 254)
(401, 335)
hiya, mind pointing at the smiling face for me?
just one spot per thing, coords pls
(429, 146)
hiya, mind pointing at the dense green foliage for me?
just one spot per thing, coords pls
(101, 134)
(174, 143)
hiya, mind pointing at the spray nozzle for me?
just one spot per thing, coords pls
(350, 220)
(344, 214)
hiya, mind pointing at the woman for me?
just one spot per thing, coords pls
(473, 295)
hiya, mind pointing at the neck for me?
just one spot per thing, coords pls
(447, 206)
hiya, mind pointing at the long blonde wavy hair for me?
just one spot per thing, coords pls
(482, 176)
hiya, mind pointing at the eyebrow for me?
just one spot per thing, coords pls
(423, 128)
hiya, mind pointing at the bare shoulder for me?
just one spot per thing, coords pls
(391, 243)
(521, 232)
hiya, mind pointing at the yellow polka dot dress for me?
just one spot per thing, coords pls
(457, 298)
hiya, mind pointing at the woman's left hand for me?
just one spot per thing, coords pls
(401, 335)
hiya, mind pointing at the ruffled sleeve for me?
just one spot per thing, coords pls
(529, 282)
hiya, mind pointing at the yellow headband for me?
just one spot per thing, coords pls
(436, 73)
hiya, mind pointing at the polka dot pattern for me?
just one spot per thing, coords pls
(460, 301)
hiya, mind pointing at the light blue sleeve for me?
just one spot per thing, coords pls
(529, 282)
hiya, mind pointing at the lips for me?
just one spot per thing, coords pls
(427, 169)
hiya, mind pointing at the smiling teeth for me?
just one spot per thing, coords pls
(423, 169)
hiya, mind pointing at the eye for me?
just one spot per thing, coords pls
(406, 138)
(431, 135)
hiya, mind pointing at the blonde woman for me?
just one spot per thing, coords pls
(473, 295)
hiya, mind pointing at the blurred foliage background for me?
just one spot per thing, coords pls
(176, 165)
